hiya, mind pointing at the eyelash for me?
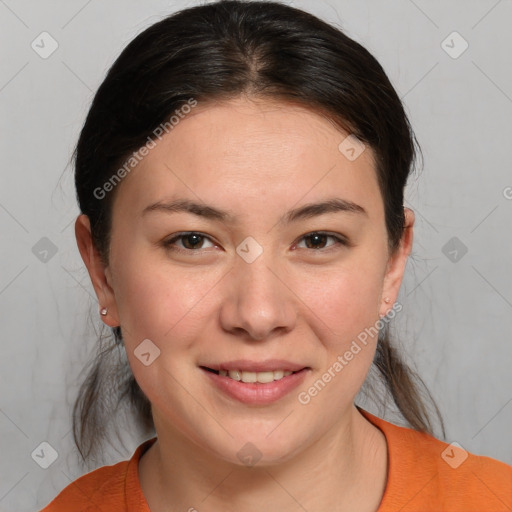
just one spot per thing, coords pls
(170, 244)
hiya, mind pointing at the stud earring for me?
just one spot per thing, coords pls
(103, 311)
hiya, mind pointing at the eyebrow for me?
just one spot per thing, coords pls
(307, 211)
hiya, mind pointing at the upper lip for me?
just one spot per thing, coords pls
(246, 365)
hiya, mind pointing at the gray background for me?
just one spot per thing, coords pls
(456, 321)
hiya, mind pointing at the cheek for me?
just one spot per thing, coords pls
(155, 300)
(344, 309)
(166, 307)
(346, 300)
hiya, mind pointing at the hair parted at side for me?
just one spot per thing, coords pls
(219, 51)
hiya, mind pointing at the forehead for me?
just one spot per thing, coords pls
(251, 153)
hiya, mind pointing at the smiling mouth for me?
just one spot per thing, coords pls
(253, 377)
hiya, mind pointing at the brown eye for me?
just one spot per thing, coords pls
(318, 240)
(190, 241)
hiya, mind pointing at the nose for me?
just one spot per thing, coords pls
(259, 303)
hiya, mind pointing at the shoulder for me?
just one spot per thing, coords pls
(455, 470)
(426, 472)
(86, 492)
(106, 488)
(456, 479)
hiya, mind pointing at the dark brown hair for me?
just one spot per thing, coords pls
(217, 52)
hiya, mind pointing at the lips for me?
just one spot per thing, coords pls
(263, 392)
(245, 365)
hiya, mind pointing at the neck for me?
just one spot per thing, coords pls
(346, 469)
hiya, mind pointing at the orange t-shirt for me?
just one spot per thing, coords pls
(424, 475)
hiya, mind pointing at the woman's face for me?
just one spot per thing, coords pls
(253, 286)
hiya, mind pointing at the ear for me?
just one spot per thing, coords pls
(396, 265)
(100, 275)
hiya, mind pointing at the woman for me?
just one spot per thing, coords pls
(240, 176)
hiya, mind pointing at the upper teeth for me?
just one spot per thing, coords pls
(262, 377)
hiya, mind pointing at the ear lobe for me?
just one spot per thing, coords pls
(397, 262)
(99, 274)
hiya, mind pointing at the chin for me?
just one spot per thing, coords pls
(260, 449)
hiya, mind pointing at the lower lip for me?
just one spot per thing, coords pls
(257, 393)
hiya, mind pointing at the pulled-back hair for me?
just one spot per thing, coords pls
(218, 52)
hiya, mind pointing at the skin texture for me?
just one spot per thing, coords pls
(300, 300)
